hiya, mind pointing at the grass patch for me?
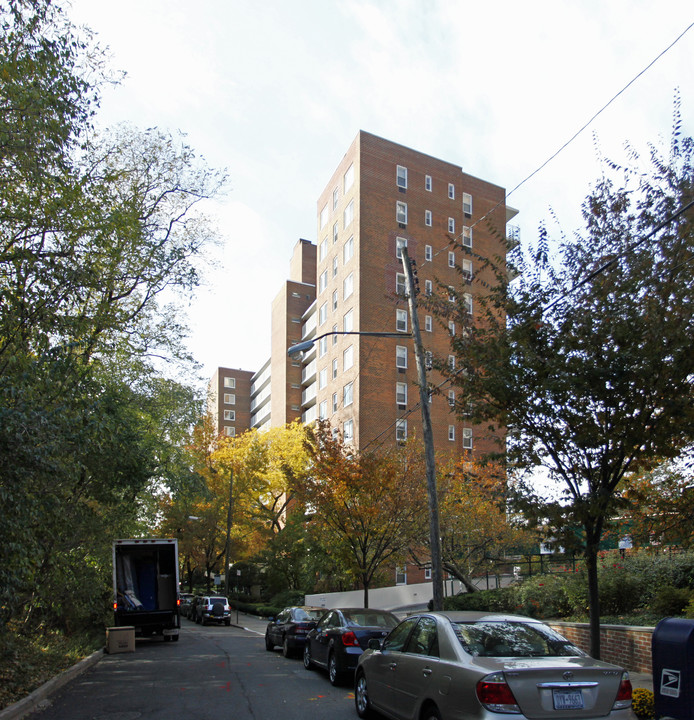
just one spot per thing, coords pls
(29, 660)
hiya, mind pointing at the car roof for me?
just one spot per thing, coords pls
(479, 616)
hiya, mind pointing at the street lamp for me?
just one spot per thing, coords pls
(308, 344)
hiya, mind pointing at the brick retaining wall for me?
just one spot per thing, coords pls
(623, 645)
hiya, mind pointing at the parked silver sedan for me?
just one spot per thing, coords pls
(476, 666)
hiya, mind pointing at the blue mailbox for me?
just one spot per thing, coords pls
(672, 648)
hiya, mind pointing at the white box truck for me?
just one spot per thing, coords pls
(145, 586)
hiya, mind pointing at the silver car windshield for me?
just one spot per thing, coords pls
(513, 639)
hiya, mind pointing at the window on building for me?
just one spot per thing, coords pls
(467, 204)
(401, 575)
(323, 347)
(348, 179)
(336, 197)
(428, 287)
(322, 281)
(401, 320)
(401, 212)
(323, 410)
(348, 250)
(428, 323)
(323, 313)
(451, 225)
(467, 270)
(335, 232)
(427, 572)
(348, 286)
(348, 215)
(348, 431)
(427, 218)
(427, 183)
(451, 328)
(401, 393)
(229, 399)
(348, 321)
(323, 217)
(451, 432)
(347, 394)
(334, 336)
(451, 398)
(467, 236)
(230, 415)
(334, 368)
(428, 253)
(467, 438)
(230, 382)
(229, 430)
(348, 358)
(451, 258)
(451, 191)
(401, 176)
(451, 362)
(400, 243)
(400, 284)
(334, 300)
(467, 303)
(400, 356)
(335, 266)
(401, 430)
(322, 378)
(334, 402)
(451, 294)
(323, 249)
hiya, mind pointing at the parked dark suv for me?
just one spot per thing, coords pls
(210, 608)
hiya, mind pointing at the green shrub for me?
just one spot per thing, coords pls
(671, 601)
(288, 597)
(501, 600)
(621, 590)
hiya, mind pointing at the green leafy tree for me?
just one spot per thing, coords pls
(586, 358)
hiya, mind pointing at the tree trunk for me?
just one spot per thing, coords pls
(366, 592)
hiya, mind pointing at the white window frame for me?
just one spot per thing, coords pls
(428, 183)
(348, 321)
(323, 314)
(467, 236)
(401, 356)
(401, 393)
(428, 218)
(323, 346)
(348, 178)
(322, 281)
(230, 431)
(428, 323)
(400, 243)
(323, 378)
(348, 431)
(467, 269)
(230, 382)
(400, 284)
(401, 212)
(451, 328)
(334, 402)
(428, 253)
(467, 204)
(336, 232)
(348, 286)
(451, 191)
(335, 266)
(348, 250)
(451, 398)
(348, 394)
(401, 430)
(428, 288)
(451, 225)
(401, 575)
(348, 358)
(336, 197)
(323, 410)
(334, 368)
(451, 433)
(230, 398)
(451, 259)
(467, 303)
(401, 177)
(401, 320)
(348, 214)
(323, 217)
(230, 415)
(323, 249)
(335, 300)
(467, 438)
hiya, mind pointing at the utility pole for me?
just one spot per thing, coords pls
(230, 512)
(434, 528)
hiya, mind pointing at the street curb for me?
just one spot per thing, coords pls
(32, 701)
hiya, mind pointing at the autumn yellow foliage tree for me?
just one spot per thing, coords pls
(366, 508)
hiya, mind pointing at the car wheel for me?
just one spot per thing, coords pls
(333, 674)
(431, 713)
(308, 663)
(174, 638)
(361, 697)
(269, 645)
(227, 622)
(286, 650)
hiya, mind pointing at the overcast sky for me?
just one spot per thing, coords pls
(276, 92)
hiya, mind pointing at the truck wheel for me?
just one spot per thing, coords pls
(227, 622)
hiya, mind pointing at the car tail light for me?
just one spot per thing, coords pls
(495, 694)
(350, 639)
(623, 699)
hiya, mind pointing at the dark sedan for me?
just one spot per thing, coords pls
(290, 627)
(341, 636)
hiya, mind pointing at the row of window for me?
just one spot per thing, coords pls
(401, 433)
(347, 182)
(401, 398)
(401, 216)
(401, 182)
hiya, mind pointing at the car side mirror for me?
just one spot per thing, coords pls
(374, 644)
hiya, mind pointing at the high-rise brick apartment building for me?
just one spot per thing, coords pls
(380, 197)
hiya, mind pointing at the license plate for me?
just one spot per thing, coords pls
(568, 699)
